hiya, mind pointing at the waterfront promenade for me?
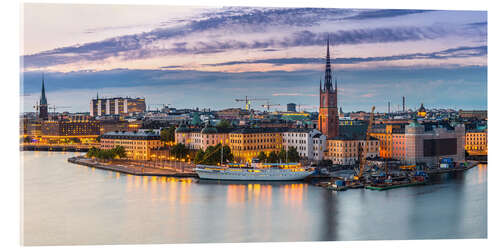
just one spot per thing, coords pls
(135, 168)
(76, 147)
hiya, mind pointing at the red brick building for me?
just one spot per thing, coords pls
(328, 119)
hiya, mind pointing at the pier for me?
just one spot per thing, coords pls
(132, 169)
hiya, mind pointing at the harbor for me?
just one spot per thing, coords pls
(145, 209)
(395, 179)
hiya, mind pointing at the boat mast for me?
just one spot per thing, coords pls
(286, 153)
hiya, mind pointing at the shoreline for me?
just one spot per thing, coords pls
(140, 171)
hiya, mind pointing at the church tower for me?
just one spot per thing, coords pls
(44, 114)
(328, 120)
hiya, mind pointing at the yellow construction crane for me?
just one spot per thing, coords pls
(362, 162)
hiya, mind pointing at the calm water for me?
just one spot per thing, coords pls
(66, 204)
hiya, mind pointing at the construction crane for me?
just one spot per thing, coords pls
(247, 101)
(54, 107)
(363, 153)
(298, 106)
(268, 105)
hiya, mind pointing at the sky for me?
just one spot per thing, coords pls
(190, 57)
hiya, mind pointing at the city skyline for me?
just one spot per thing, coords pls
(275, 53)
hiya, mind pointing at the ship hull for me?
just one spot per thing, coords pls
(264, 175)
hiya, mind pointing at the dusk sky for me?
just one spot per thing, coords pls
(206, 57)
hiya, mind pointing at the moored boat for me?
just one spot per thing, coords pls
(256, 171)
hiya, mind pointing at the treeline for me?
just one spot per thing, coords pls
(280, 156)
(212, 155)
(179, 151)
(107, 154)
(168, 134)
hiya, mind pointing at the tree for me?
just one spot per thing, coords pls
(75, 140)
(98, 139)
(224, 124)
(92, 152)
(198, 158)
(212, 155)
(262, 156)
(282, 155)
(227, 154)
(293, 155)
(27, 139)
(273, 157)
(179, 151)
(119, 151)
(168, 135)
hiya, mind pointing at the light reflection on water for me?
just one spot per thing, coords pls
(72, 204)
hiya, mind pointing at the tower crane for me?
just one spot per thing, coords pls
(54, 107)
(363, 153)
(248, 101)
(268, 105)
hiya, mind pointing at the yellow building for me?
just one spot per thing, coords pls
(476, 142)
(247, 143)
(348, 151)
(388, 135)
(137, 146)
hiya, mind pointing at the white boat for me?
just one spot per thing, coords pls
(255, 172)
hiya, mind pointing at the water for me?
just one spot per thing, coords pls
(67, 204)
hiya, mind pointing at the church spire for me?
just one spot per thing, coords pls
(328, 68)
(43, 99)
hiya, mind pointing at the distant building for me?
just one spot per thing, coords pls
(478, 114)
(389, 136)
(196, 138)
(310, 143)
(348, 151)
(247, 143)
(291, 107)
(429, 144)
(82, 128)
(232, 114)
(359, 116)
(117, 106)
(115, 125)
(476, 142)
(138, 145)
(421, 111)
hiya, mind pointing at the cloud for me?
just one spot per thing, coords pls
(242, 21)
(372, 14)
(293, 94)
(460, 52)
(138, 46)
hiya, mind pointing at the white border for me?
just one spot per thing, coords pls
(10, 220)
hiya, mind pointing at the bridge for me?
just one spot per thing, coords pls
(57, 147)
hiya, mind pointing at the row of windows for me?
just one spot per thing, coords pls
(254, 141)
(256, 147)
